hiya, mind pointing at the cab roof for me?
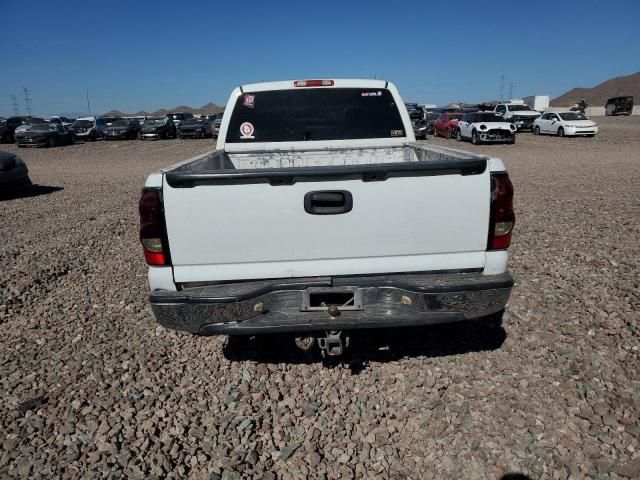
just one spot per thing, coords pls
(337, 83)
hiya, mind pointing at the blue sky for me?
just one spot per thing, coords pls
(141, 54)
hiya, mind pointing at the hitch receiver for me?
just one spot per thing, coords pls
(333, 343)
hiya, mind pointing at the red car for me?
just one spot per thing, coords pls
(446, 124)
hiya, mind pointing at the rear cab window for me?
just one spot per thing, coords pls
(315, 114)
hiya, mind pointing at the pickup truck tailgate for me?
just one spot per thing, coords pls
(262, 227)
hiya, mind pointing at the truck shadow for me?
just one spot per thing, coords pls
(28, 191)
(379, 345)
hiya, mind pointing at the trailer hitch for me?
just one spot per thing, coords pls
(333, 343)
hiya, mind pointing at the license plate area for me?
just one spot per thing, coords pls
(317, 299)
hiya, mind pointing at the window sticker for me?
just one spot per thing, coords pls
(397, 133)
(248, 100)
(246, 131)
(372, 94)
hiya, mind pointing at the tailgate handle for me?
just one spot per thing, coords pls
(329, 202)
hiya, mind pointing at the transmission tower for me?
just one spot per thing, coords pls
(88, 104)
(510, 90)
(502, 88)
(27, 100)
(14, 105)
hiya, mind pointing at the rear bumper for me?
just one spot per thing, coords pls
(270, 306)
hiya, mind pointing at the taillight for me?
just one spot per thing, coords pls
(313, 83)
(502, 218)
(153, 234)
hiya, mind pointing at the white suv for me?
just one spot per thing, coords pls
(519, 114)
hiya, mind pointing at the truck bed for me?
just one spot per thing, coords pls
(284, 166)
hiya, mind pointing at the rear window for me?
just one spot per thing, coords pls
(314, 114)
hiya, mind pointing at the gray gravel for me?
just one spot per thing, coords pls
(92, 387)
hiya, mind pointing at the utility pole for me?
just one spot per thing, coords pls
(27, 100)
(88, 104)
(14, 104)
(502, 88)
(510, 90)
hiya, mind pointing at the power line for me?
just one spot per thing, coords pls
(27, 100)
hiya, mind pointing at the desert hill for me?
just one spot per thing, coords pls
(597, 96)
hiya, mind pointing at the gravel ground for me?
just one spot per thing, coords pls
(91, 387)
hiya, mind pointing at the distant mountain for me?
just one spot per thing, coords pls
(597, 96)
(207, 109)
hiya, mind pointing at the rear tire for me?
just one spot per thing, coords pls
(449, 133)
(561, 132)
(536, 130)
(458, 135)
(512, 141)
(475, 139)
(51, 142)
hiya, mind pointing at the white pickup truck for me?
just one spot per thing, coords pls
(318, 214)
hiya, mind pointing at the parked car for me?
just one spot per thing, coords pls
(27, 124)
(178, 117)
(518, 113)
(326, 268)
(619, 106)
(158, 128)
(447, 124)
(481, 127)
(212, 116)
(417, 120)
(108, 121)
(217, 123)
(8, 128)
(44, 135)
(195, 128)
(430, 119)
(64, 121)
(88, 128)
(122, 130)
(565, 124)
(13, 172)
